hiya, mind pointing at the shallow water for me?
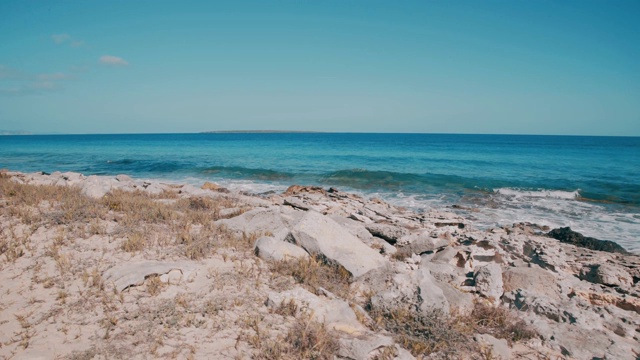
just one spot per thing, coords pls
(589, 183)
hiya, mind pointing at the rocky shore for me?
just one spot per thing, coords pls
(114, 267)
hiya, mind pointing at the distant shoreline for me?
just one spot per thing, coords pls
(262, 132)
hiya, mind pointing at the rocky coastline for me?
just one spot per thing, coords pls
(108, 267)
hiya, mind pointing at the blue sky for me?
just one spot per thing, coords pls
(525, 67)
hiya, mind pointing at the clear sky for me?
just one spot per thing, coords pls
(528, 67)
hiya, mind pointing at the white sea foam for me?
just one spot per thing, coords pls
(546, 208)
(554, 194)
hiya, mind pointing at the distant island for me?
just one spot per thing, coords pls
(258, 132)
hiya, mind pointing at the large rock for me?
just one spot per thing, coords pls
(533, 279)
(334, 313)
(270, 249)
(498, 348)
(568, 236)
(133, 274)
(420, 243)
(488, 279)
(370, 346)
(262, 221)
(390, 233)
(429, 293)
(320, 235)
(607, 274)
(96, 186)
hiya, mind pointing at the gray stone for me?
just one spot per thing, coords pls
(334, 313)
(96, 186)
(390, 233)
(607, 274)
(498, 348)
(420, 243)
(459, 301)
(488, 279)
(362, 347)
(429, 293)
(533, 279)
(270, 249)
(258, 221)
(320, 235)
(125, 275)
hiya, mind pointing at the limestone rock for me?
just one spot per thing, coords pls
(390, 233)
(420, 243)
(533, 279)
(134, 274)
(430, 294)
(361, 347)
(261, 221)
(270, 249)
(95, 187)
(334, 313)
(488, 281)
(498, 348)
(320, 235)
(607, 274)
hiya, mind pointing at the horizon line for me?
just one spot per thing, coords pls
(26, 133)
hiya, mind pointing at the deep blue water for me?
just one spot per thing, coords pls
(589, 183)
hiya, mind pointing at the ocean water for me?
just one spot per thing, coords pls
(591, 184)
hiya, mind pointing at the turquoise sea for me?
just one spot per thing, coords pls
(591, 184)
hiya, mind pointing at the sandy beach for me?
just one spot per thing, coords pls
(116, 267)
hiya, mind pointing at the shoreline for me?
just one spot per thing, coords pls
(155, 261)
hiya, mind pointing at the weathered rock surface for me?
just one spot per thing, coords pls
(488, 279)
(533, 279)
(320, 235)
(270, 249)
(334, 313)
(133, 274)
(607, 274)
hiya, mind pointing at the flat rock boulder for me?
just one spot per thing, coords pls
(130, 274)
(370, 346)
(270, 249)
(430, 294)
(262, 221)
(420, 243)
(533, 279)
(334, 313)
(607, 274)
(488, 279)
(320, 235)
(388, 232)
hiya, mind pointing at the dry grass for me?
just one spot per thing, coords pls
(306, 339)
(314, 274)
(432, 331)
(500, 323)
(187, 224)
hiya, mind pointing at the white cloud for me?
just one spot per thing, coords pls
(60, 38)
(112, 61)
(52, 76)
(14, 82)
(77, 43)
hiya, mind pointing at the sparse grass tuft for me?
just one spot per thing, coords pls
(306, 339)
(500, 323)
(432, 331)
(315, 274)
(135, 242)
(423, 332)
